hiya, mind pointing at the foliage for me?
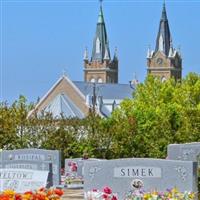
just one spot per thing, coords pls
(164, 113)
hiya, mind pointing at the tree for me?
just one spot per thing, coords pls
(7, 127)
(164, 113)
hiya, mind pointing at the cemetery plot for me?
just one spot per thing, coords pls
(126, 175)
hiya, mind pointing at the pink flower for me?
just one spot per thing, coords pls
(107, 190)
(74, 168)
(69, 163)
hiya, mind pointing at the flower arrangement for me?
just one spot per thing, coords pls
(73, 166)
(72, 179)
(169, 194)
(105, 194)
(41, 194)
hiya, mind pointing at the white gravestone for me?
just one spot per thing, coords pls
(22, 180)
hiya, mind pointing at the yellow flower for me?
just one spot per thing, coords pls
(174, 190)
(146, 196)
(10, 193)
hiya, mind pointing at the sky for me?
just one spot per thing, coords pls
(40, 39)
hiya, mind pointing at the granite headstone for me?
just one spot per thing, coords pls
(152, 173)
(32, 158)
(22, 180)
(187, 151)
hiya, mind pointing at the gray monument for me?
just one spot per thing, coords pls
(187, 151)
(151, 173)
(33, 159)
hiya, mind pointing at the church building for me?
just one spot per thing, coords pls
(165, 61)
(100, 91)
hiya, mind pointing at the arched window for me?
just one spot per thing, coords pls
(92, 80)
(100, 80)
(163, 79)
(98, 46)
(161, 43)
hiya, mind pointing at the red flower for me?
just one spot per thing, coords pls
(18, 197)
(40, 196)
(107, 190)
(105, 196)
(4, 197)
(94, 190)
(58, 192)
(29, 192)
(114, 198)
(42, 189)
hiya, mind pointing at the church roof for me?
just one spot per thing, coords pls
(62, 104)
(100, 43)
(106, 90)
(164, 39)
(70, 98)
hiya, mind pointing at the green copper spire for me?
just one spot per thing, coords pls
(100, 43)
(100, 17)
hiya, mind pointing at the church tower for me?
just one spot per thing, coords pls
(101, 68)
(165, 62)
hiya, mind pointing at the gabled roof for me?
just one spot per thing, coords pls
(69, 98)
(62, 105)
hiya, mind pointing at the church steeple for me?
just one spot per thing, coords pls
(101, 68)
(100, 43)
(165, 62)
(164, 37)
